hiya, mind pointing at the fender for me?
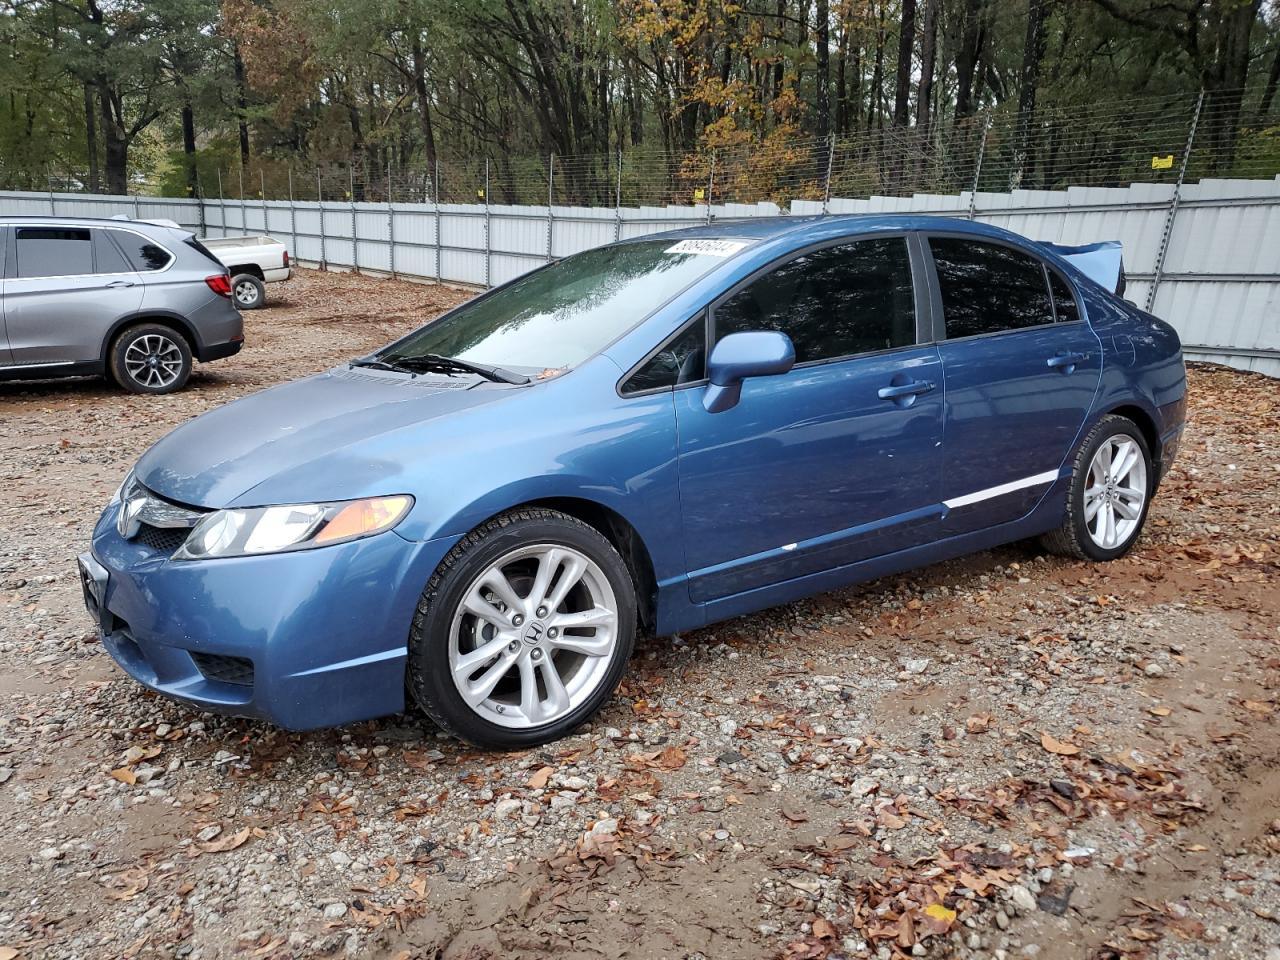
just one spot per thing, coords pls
(143, 316)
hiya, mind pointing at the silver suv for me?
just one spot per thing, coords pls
(134, 301)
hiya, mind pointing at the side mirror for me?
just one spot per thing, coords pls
(758, 353)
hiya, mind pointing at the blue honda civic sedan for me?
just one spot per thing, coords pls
(652, 435)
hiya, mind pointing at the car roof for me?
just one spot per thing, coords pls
(770, 228)
(12, 218)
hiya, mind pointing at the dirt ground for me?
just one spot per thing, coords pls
(1006, 756)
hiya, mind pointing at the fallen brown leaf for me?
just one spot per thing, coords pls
(1057, 746)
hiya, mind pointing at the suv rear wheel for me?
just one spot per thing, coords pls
(150, 358)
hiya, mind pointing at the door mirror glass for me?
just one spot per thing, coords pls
(756, 353)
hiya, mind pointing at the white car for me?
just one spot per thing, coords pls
(252, 262)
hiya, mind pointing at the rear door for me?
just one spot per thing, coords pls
(835, 461)
(1022, 367)
(66, 286)
(6, 358)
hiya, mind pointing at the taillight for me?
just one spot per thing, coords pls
(220, 284)
(286, 258)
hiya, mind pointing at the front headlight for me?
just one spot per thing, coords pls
(301, 526)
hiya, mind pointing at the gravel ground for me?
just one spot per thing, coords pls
(1006, 756)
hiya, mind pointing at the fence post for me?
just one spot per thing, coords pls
(48, 182)
(711, 184)
(262, 191)
(136, 212)
(551, 192)
(977, 167)
(617, 202)
(488, 246)
(324, 254)
(244, 223)
(1173, 205)
(391, 224)
(200, 205)
(355, 231)
(436, 200)
(293, 214)
(826, 183)
(222, 206)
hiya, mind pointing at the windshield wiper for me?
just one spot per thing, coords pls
(436, 363)
(375, 364)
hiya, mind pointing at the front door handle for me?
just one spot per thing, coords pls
(119, 284)
(905, 389)
(1066, 362)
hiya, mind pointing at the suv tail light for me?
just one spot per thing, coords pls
(286, 258)
(220, 284)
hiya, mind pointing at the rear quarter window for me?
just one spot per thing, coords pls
(145, 255)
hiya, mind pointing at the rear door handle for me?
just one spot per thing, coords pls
(905, 389)
(1066, 362)
(118, 284)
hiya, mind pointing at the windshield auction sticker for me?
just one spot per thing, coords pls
(710, 248)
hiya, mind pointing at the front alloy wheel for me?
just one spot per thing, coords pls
(523, 631)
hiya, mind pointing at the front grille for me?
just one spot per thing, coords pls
(237, 670)
(164, 540)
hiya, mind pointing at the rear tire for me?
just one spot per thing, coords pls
(1109, 495)
(150, 358)
(248, 292)
(524, 630)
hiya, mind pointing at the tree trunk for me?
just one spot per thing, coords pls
(115, 148)
(242, 106)
(877, 72)
(1225, 78)
(822, 97)
(842, 77)
(928, 54)
(424, 101)
(1269, 91)
(1032, 55)
(189, 149)
(971, 36)
(91, 138)
(906, 46)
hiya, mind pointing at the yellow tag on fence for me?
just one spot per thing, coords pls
(1162, 163)
(699, 194)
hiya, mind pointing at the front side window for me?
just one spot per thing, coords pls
(681, 359)
(144, 255)
(834, 302)
(988, 288)
(53, 252)
(560, 315)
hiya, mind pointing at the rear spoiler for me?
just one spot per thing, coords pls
(1100, 262)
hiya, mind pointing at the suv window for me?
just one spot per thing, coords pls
(53, 252)
(680, 360)
(1064, 301)
(107, 257)
(142, 253)
(835, 302)
(987, 287)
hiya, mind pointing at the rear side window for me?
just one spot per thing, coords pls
(988, 288)
(834, 302)
(107, 257)
(53, 252)
(142, 253)
(1064, 302)
(680, 360)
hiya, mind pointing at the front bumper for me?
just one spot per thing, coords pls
(311, 638)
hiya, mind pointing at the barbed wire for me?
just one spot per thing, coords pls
(1111, 143)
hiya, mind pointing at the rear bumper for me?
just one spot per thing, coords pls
(313, 638)
(219, 351)
(277, 275)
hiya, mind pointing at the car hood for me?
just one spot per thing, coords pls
(327, 428)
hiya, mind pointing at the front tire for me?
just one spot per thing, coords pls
(524, 630)
(150, 358)
(1110, 493)
(248, 291)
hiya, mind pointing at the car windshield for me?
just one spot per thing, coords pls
(561, 315)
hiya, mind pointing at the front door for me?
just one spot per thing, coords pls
(64, 289)
(833, 462)
(1021, 367)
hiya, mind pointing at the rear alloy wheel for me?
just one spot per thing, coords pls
(150, 358)
(248, 291)
(1110, 493)
(524, 630)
